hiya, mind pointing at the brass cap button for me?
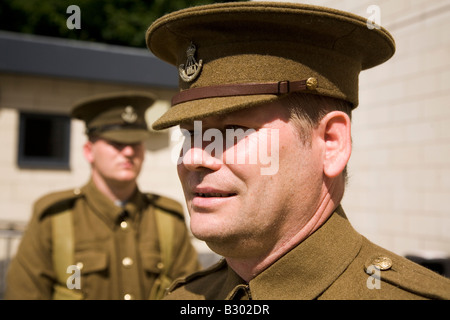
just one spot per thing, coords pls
(311, 83)
(127, 262)
(124, 225)
(382, 263)
(76, 191)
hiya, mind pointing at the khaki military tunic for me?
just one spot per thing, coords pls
(335, 262)
(116, 248)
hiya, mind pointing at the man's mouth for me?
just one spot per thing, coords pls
(214, 195)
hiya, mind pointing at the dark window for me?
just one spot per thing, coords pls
(44, 141)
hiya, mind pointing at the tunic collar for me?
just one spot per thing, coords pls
(310, 268)
(106, 208)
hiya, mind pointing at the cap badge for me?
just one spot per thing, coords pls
(189, 71)
(129, 115)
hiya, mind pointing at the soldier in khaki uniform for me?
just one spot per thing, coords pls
(106, 240)
(286, 77)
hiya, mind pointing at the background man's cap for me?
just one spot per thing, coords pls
(119, 117)
(237, 55)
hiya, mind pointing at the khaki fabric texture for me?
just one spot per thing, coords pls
(333, 263)
(259, 42)
(101, 244)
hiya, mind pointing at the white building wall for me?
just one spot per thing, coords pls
(399, 185)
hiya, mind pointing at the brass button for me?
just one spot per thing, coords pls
(311, 83)
(382, 263)
(127, 262)
(80, 265)
(128, 296)
(76, 191)
(160, 265)
(124, 225)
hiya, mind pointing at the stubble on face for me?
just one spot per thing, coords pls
(264, 210)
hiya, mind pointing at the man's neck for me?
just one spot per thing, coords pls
(115, 190)
(247, 269)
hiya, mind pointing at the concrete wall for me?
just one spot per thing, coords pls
(399, 184)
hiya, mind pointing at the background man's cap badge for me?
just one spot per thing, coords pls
(189, 71)
(129, 115)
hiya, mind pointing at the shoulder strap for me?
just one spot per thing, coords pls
(63, 244)
(63, 255)
(165, 225)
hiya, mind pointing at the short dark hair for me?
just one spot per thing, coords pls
(306, 110)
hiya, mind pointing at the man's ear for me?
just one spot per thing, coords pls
(87, 151)
(336, 134)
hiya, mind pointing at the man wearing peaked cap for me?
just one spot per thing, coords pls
(116, 117)
(122, 243)
(264, 46)
(286, 77)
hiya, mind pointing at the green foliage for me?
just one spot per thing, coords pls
(121, 22)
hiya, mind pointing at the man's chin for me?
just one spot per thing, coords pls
(207, 234)
(123, 180)
(216, 240)
(129, 176)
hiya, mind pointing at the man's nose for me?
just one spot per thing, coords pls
(128, 150)
(196, 158)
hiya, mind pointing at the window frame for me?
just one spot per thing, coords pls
(44, 162)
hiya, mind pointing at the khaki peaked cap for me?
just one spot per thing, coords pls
(118, 116)
(237, 55)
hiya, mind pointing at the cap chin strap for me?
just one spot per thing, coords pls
(243, 89)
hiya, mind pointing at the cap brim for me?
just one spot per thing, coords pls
(125, 136)
(199, 109)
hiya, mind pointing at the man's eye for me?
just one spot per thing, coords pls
(116, 145)
(235, 127)
(237, 132)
